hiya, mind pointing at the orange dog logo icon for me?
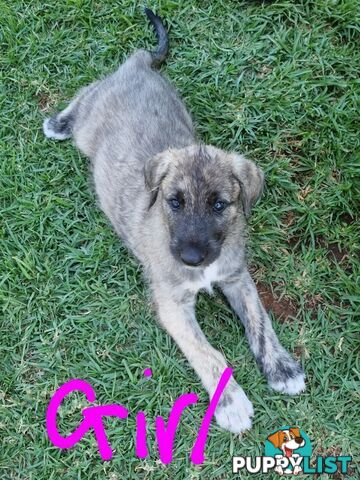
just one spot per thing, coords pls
(288, 441)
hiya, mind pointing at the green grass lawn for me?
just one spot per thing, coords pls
(276, 81)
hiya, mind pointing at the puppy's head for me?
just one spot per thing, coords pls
(203, 194)
(287, 440)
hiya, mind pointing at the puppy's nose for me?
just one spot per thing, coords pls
(192, 256)
(299, 440)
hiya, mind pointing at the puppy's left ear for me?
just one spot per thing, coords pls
(251, 180)
(154, 172)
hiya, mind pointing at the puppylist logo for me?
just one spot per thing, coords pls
(287, 452)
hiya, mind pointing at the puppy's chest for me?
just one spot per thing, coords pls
(205, 280)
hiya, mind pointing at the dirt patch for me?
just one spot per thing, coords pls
(346, 218)
(44, 101)
(314, 301)
(289, 218)
(299, 352)
(282, 308)
(334, 251)
(329, 452)
(293, 241)
(312, 304)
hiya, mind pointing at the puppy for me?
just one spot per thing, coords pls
(288, 441)
(181, 208)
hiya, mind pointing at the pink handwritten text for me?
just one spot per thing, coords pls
(165, 433)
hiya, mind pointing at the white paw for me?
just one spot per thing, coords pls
(292, 386)
(234, 410)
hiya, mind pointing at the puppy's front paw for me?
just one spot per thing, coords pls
(279, 470)
(297, 470)
(292, 386)
(234, 410)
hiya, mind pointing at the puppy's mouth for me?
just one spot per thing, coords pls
(288, 452)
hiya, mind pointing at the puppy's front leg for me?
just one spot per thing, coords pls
(282, 371)
(177, 316)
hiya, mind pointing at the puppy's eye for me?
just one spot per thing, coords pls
(219, 206)
(174, 203)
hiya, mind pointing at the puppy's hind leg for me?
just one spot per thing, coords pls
(282, 371)
(60, 126)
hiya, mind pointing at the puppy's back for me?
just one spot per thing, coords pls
(135, 110)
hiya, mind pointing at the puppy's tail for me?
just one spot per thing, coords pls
(160, 53)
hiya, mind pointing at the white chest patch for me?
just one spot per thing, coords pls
(209, 276)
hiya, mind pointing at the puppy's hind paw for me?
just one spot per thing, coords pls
(291, 386)
(234, 411)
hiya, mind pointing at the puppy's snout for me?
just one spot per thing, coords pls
(299, 440)
(192, 255)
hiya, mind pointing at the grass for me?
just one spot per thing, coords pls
(277, 81)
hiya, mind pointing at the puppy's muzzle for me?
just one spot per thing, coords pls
(192, 255)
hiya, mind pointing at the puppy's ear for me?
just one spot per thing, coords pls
(276, 438)
(251, 179)
(154, 172)
(296, 432)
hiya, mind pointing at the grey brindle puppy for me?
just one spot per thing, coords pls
(180, 207)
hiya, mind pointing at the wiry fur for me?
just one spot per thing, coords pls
(143, 149)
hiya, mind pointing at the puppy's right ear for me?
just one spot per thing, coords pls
(154, 172)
